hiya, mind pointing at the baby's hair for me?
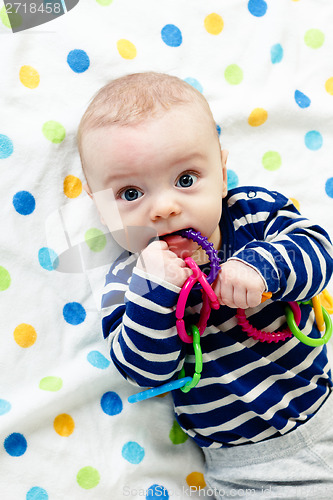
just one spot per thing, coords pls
(132, 98)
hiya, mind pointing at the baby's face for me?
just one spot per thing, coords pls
(158, 176)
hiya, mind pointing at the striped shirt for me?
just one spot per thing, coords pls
(249, 390)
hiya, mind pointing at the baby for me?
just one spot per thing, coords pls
(261, 412)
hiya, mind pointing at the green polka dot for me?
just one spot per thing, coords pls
(271, 160)
(52, 384)
(233, 74)
(95, 239)
(177, 435)
(314, 38)
(15, 19)
(104, 2)
(54, 131)
(4, 279)
(88, 477)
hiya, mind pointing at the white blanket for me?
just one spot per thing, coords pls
(66, 428)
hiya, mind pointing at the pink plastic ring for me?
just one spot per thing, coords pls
(263, 336)
(209, 300)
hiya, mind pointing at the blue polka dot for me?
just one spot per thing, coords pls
(78, 60)
(37, 493)
(15, 444)
(197, 85)
(6, 146)
(74, 313)
(157, 491)
(218, 128)
(257, 7)
(133, 452)
(302, 100)
(111, 403)
(48, 259)
(97, 360)
(171, 35)
(5, 406)
(329, 187)
(232, 179)
(276, 53)
(24, 203)
(313, 140)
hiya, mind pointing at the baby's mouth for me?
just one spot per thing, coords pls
(181, 246)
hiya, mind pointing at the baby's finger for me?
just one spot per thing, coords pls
(240, 297)
(253, 298)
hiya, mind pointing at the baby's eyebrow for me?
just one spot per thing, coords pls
(196, 155)
(120, 175)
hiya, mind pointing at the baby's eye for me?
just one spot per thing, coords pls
(131, 194)
(186, 180)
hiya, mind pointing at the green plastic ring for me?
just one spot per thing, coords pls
(198, 361)
(304, 338)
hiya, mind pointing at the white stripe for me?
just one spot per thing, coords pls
(147, 304)
(243, 196)
(125, 263)
(149, 332)
(249, 219)
(115, 287)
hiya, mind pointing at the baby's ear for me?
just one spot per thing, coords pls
(224, 157)
(87, 190)
(89, 193)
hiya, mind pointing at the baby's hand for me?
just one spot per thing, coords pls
(158, 260)
(239, 285)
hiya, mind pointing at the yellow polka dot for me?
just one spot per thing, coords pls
(329, 85)
(214, 24)
(257, 117)
(64, 425)
(196, 480)
(126, 49)
(72, 186)
(25, 335)
(296, 203)
(29, 77)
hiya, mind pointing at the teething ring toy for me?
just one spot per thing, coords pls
(293, 325)
(209, 300)
(269, 337)
(208, 247)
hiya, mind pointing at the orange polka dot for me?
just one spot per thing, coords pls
(72, 186)
(64, 425)
(214, 24)
(196, 480)
(126, 49)
(329, 85)
(29, 77)
(257, 117)
(25, 335)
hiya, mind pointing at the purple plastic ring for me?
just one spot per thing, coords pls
(208, 247)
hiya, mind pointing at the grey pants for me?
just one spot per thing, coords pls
(295, 466)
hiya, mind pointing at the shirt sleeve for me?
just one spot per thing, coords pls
(293, 256)
(132, 302)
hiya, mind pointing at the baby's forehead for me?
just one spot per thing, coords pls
(100, 129)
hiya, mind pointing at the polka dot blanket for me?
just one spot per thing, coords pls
(67, 430)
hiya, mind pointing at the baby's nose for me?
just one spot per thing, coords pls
(164, 206)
